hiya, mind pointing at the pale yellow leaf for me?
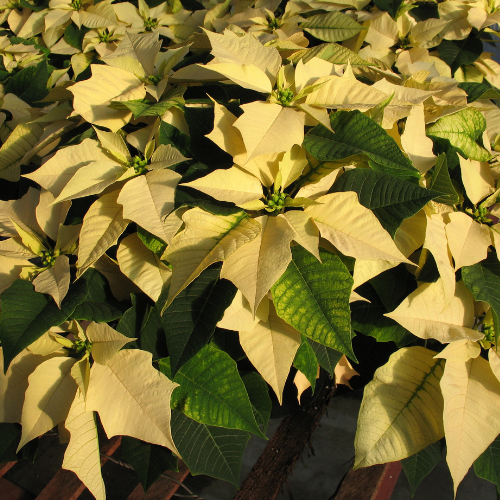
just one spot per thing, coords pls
(51, 390)
(424, 33)
(206, 239)
(55, 173)
(494, 360)
(82, 454)
(460, 350)
(115, 144)
(93, 96)
(234, 185)
(165, 156)
(344, 371)
(148, 199)
(262, 125)
(271, 347)
(48, 343)
(383, 32)
(245, 50)
(471, 419)
(55, 280)
(402, 408)
(477, 179)
(437, 243)
(264, 167)
(224, 134)
(239, 316)
(102, 226)
(30, 239)
(90, 180)
(317, 114)
(245, 75)
(106, 342)
(365, 270)
(422, 313)
(14, 383)
(81, 374)
(132, 398)
(416, 144)
(468, 240)
(50, 216)
(302, 384)
(456, 13)
(353, 229)
(256, 266)
(306, 233)
(292, 164)
(321, 187)
(142, 266)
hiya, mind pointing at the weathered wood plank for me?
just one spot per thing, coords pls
(370, 483)
(11, 491)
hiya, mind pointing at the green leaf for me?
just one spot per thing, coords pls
(172, 135)
(391, 199)
(421, 464)
(357, 134)
(30, 84)
(143, 107)
(190, 320)
(27, 315)
(74, 36)
(99, 304)
(313, 297)
(211, 391)
(156, 245)
(306, 361)
(331, 52)
(258, 392)
(332, 26)
(483, 280)
(476, 91)
(10, 435)
(390, 6)
(456, 53)
(462, 129)
(209, 450)
(15, 40)
(149, 461)
(142, 321)
(326, 356)
(441, 181)
(487, 465)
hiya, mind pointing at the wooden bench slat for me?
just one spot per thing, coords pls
(11, 491)
(373, 483)
(5, 467)
(163, 488)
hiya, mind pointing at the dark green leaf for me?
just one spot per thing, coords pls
(10, 435)
(483, 280)
(331, 26)
(456, 53)
(391, 199)
(171, 135)
(393, 285)
(476, 91)
(99, 304)
(30, 84)
(27, 315)
(142, 321)
(189, 321)
(440, 181)
(149, 461)
(305, 360)
(74, 36)
(357, 135)
(421, 464)
(331, 52)
(187, 196)
(211, 391)
(390, 6)
(210, 450)
(35, 8)
(156, 245)
(326, 356)
(487, 465)
(313, 297)
(257, 390)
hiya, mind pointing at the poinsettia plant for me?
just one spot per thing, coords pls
(205, 207)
